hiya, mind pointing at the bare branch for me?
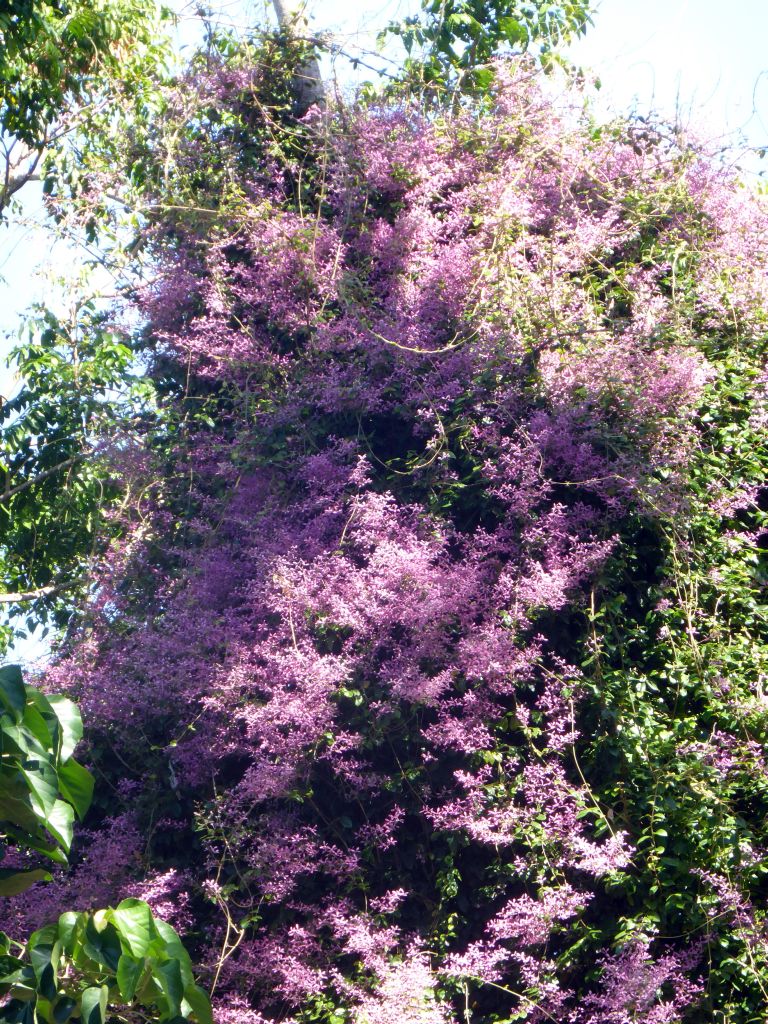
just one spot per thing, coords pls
(308, 87)
(32, 595)
(9, 492)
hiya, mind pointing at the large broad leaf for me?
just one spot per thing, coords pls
(102, 943)
(198, 1003)
(44, 951)
(13, 693)
(71, 724)
(21, 742)
(63, 1009)
(136, 926)
(129, 972)
(76, 784)
(68, 928)
(94, 1005)
(34, 723)
(169, 976)
(173, 946)
(60, 823)
(18, 811)
(170, 946)
(9, 969)
(43, 787)
(13, 882)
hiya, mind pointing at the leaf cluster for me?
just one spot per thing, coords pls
(88, 964)
(60, 435)
(42, 786)
(450, 45)
(55, 53)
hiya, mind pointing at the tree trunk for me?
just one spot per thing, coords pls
(308, 83)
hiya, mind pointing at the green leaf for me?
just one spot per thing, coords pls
(13, 693)
(71, 724)
(94, 1005)
(168, 974)
(76, 784)
(129, 971)
(43, 951)
(10, 968)
(23, 743)
(24, 1014)
(63, 1009)
(14, 882)
(43, 787)
(136, 926)
(512, 30)
(68, 923)
(199, 1004)
(174, 947)
(101, 940)
(60, 823)
(17, 811)
(34, 723)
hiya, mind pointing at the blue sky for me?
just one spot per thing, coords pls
(700, 62)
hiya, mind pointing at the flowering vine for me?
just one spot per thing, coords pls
(408, 656)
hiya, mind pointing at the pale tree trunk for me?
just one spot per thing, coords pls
(307, 84)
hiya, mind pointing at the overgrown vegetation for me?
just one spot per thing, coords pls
(425, 673)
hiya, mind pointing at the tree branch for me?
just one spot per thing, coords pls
(308, 87)
(9, 492)
(31, 595)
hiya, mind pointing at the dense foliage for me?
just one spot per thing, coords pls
(71, 73)
(427, 680)
(42, 786)
(450, 44)
(61, 63)
(79, 402)
(88, 961)
(98, 964)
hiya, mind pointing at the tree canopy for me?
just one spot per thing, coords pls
(451, 43)
(58, 59)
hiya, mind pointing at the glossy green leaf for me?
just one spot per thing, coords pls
(199, 1004)
(18, 811)
(129, 971)
(63, 1009)
(169, 976)
(34, 723)
(94, 1005)
(43, 950)
(43, 787)
(13, 882)
(102, 944)
(13, 696)
(71, 724)
(76, 785)
(68, 925)
(60, 823)
(136, 926)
